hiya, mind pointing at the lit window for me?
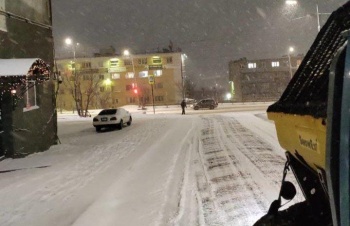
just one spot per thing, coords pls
(115, 76)
(71, 66)
(129, 75)
(158, 73)
(251, 65)
(114, 63)
(298, 63)
(143, 74)
(157, 60)
(275, 64)
(30, 97)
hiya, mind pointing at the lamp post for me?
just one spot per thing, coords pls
(69, 42)
(126, 53)
(291, 50)
(183, 57)
(295, 2)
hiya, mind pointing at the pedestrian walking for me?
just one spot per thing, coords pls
(183, 106)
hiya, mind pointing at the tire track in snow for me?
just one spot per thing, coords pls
(230, 184)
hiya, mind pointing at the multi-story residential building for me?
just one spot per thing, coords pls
(112, 81)
(262, 79)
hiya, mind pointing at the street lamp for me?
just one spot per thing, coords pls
(291, 50)
(126, 53)
(183, 58)
(291, 2)
(295, 2)
(69, 42)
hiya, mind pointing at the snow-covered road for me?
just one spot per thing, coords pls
(164, 169)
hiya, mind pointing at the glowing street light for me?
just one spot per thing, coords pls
(295, 2)
(291, 2)
(69, 42)
(291, 50)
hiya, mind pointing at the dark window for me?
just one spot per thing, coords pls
(169, 60)
(127, 62)
(142, 61)
(86, 65)
(128, 87)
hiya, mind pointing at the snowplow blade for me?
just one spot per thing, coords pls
(302, 135)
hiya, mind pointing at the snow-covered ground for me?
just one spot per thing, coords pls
(219, 167)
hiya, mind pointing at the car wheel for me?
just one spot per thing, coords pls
(130, 120)
(196, 108)
(120, 125)
(98, 128)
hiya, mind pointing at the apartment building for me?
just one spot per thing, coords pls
(261, 79)
(113, 81)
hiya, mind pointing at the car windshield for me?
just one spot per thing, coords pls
(108, 112)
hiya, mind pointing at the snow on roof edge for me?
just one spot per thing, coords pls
(16, 67)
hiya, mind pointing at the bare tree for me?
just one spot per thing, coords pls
(144, 95)
(81, 85)
(187, 89)
(91, 90)
(103, 98)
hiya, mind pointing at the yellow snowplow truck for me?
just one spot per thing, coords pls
(312, 120)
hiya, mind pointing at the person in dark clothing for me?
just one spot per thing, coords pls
(183, 106)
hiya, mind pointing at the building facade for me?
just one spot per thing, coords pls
(262, 79)
(113, 81)
(28, 121)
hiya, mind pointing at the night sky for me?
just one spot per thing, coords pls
(210, 32)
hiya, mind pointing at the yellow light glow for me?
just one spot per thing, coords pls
(126, 52)
(108, 82)
(291, 2)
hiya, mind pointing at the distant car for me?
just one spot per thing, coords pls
(113, 118)
(205, 103)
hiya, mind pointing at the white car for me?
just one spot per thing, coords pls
(114, 117)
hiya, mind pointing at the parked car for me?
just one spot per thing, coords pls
(113, 118)
(205, 103)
